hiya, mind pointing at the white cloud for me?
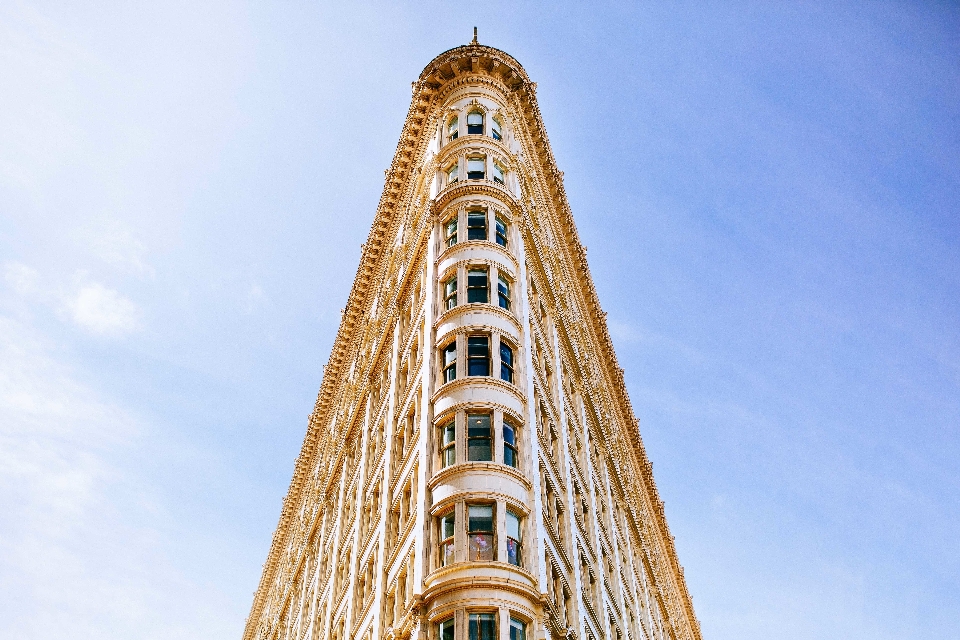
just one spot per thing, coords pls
(22, 278)
(115, 244)
(103, 311)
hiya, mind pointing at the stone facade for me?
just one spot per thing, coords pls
(473, 467)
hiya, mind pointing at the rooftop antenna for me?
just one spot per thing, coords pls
(475, 41)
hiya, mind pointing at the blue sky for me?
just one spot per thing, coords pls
(769, 194)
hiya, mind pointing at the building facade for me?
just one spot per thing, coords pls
(472, 468)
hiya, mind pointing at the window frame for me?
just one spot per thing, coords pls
(507, 367)
(478, 291)
(477, 175)
(445, 542)
(503, 292)
(496, 129)
(473, 216)
(485, 359)
(472, 128)
(488, 534)
(450, 228)
(453, 128)
(518, 541)
(489, 437)
(501, 236)
(453, 173)
(522, 627)
(447, 624)
(513, 447)
(499, 173)
(449, 366)
(450, 292)
(448, 448)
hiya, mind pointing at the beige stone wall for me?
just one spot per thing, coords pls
(403, 515)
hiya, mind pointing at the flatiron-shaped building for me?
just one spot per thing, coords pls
(472, 468)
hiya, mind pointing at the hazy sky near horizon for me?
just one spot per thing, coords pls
(769, 194)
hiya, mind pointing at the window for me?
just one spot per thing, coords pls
(506, 362)
(510, 455)
(503, 292)
(476, 225)
(475, 123)
(445, 630)
(450, 232)
(480, 533)
(478, 356)
(479, 437)
(476, 168)
(446, 536)
(453, 128)
(513, 538)
(495, 129)
(477, 285)
(518, 630)
(450, 293)
(497, 173)
(453, 174)
(448, 443)
(450, 362)
(501, 232)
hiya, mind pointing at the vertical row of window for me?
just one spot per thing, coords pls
(482, 626)
(481, 535)
(475, 126)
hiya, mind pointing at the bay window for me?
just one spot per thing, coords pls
(518, 630)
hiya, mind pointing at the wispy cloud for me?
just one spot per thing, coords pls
(103, 311)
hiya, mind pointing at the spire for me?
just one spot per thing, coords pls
(474, 41)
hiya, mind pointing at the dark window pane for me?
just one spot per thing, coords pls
(479, 451)
(477, 295)
(446, 630)
(478, 346)
(509, 434)
(478, 367)
(513, 551)
(483, 626)
(478, 425)
(506, 354)
(474, 128)
(518, 630)
(509, 457)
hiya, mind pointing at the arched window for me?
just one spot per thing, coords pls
(453, 128)
(495, 129)
(475, 123)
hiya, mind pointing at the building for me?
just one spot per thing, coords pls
(472, 468)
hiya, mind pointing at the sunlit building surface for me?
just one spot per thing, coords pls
(472, 468)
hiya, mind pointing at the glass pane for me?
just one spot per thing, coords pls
(452, 173)
(481, 547)
(451, 286)
(478, 346)
(513, 525)
(518, 630)
(445, 631)
(481, 517)
(449, 433)
(447, 527)
(450, 354)
(474, 118)
(446, 553)
(477, 295)
(477, 278)
(477, 219)
(479, 450)
(478, 367)
(449, 456)
(506, 355)
(509, 456)
(478, 425)
(483, 626)
(513, 551)
(509, 433)
(453, 125)
(476, 164)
